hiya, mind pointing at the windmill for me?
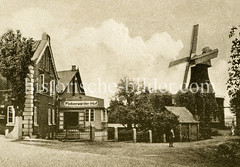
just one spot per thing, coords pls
(199, 63)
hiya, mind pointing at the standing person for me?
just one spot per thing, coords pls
(171, 137)
(233, 128)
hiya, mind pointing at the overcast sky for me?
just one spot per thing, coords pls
(109, 40)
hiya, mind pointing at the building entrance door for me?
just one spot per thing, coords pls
(70, 119)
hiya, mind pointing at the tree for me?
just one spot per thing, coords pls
(3, 87)
(15, 57)
(233, 83)
(142, 108)
(187, 100)
(194, 102)
(121, 106)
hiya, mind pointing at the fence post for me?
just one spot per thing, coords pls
(150, 136)
(164, 138)
(198, 136)
(134, 135)
(6, 132)
(92, 133)
(116, 133)
(180, 131)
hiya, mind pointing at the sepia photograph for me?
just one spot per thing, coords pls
(119, 83)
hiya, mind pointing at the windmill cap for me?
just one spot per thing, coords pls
(206, 50)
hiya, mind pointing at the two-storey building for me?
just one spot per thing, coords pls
(55, 101)
(39, 115)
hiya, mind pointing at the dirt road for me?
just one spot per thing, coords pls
(55, 153)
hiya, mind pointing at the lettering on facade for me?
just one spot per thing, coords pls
(80, 103)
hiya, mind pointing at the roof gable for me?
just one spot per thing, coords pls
(184, 115)
(65, 77)
(39, 48)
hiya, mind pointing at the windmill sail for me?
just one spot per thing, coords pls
(180, 61)
(194, 40)
(193, 49)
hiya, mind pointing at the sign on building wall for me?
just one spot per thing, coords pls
(80, 103)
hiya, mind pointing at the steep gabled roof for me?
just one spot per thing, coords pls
(35, 46)
(184, 115)
(39, 47)
(65, 77)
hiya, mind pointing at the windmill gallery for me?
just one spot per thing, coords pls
(56, 114)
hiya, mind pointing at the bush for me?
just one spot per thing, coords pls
(143, 136)
(125, 135)
(229, 153)
(110, 133)
(214, 132)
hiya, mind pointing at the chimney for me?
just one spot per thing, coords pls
(45, 36)
(74, 68)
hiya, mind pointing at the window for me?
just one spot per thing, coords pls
(42, 65)
(73, 86)
(46, 62)
(35, 116)
(10, 115)
(49, 64)
(52, 88)
(104, 115)
(49, 117)
(53, 116)
(89, 115)
(92, 115)
(41, 82)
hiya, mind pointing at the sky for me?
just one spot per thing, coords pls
(109, 40)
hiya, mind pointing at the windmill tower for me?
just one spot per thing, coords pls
(199, 78)
(199, 64)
